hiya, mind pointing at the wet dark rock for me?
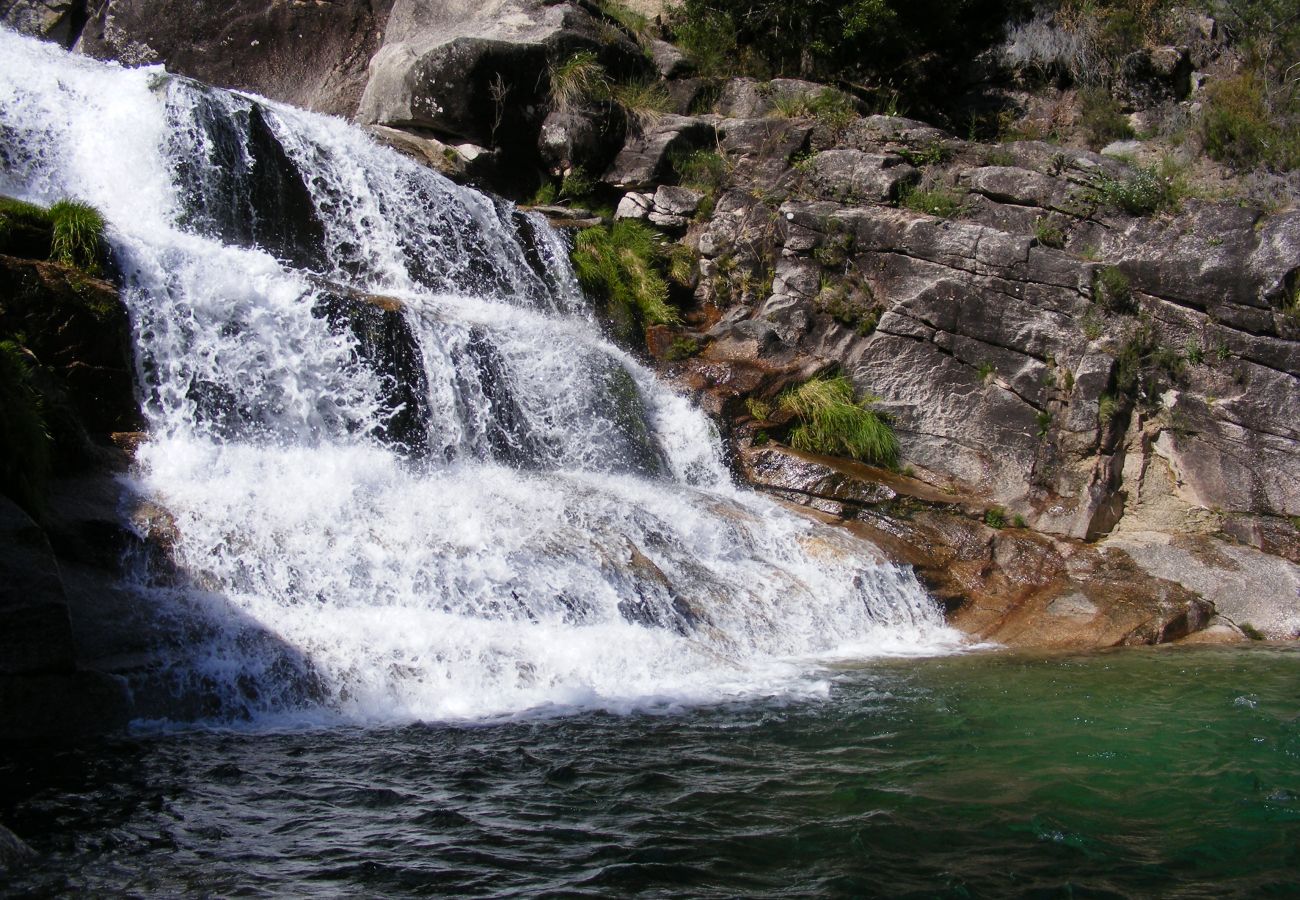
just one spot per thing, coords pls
(385, 344)
(586, 138)
(13, 851)
(77, 329)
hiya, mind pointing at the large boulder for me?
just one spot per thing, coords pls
(479, 72)
(312, 55)
(53, 20)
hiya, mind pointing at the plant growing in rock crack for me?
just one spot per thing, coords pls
(622, 265)
(995, 517)
(833, 421)
(760, 410)
(645, 102)
(1145, 191)
(1111, 290)
(984, 371)
(1048, 233)
(939, 200)
(1044, 420)
(706, 171)
(576, 81)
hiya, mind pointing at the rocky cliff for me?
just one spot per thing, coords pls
(1093, 372)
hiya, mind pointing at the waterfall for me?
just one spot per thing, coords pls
(410, 478)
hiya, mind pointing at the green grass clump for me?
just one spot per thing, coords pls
(759, 409)
(701, 170)
(577, 80)
(940, 200)
(645, 102)
(833, 422)
(75, 229)
(1048, 233)
(621, 264)
(24, 439)
(995, 517)
(78, 233)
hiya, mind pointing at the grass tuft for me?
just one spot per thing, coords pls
(621, 264)
(577, 80)
(833, 422)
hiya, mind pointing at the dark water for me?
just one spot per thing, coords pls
(1171, 772)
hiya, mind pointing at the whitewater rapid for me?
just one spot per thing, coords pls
(410, 480)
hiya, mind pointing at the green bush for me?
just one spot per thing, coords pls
(1145, 191)
(24, 439)
(1238, 128)
(1101, 119)
(880, 46)
(833, 422)
(995, 517)
(622, 265)
(682, 348)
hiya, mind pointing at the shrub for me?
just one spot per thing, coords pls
(1101, 119)
(833, 422)
(621, 264)
(24, 440)
(682, 348)
(1238, 128)
(577, 185)
(995, 517)
(1147, 190)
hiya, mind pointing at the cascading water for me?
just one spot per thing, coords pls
(410, 479)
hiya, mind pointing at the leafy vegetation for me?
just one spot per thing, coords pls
(995, 517)
(1145, 191)
(644, 101)
(833, 422)
(622, 264)
(1101, 119)
(682, 348)
(882, 47)
(760, 410)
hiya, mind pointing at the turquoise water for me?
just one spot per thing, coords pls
(1167, 772)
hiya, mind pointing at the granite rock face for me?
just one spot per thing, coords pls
(313, 55)
(479, 72)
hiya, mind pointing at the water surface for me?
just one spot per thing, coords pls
(1167, 772)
